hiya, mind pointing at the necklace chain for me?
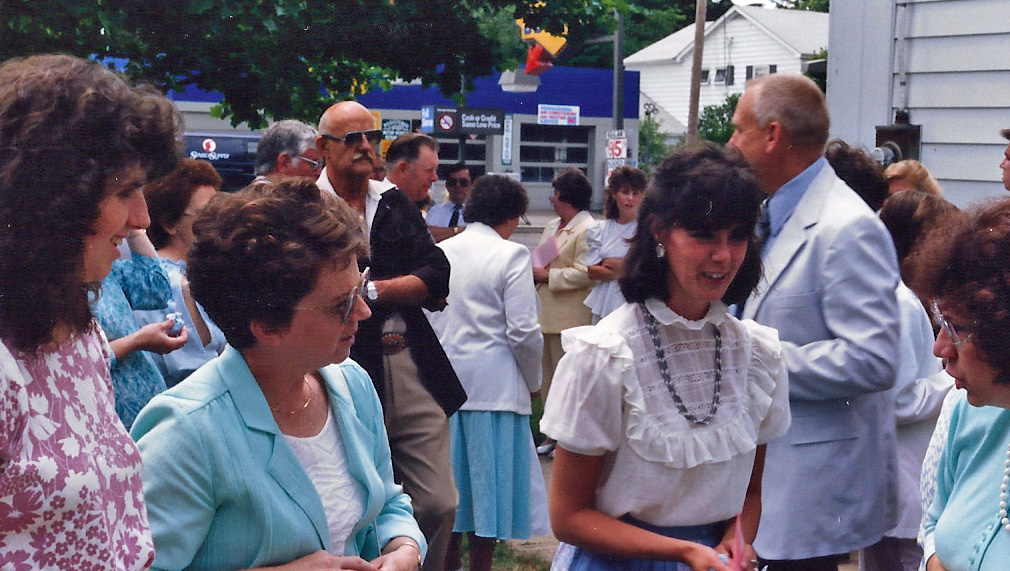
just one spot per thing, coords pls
(664, 369)
(301, 408)
(1003, 518)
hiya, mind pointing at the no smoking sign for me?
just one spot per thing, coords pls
(446, 122)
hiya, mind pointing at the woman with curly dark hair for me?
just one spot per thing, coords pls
(963, 266)
(661, 410)
(76, 145)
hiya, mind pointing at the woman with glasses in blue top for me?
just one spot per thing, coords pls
(275, 453)
(963, 265)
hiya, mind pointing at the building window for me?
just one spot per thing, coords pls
(720, 76)
(474, 149)
(704, 76)
(545, 150)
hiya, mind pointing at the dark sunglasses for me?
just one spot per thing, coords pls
(354, 138)
(453, 182)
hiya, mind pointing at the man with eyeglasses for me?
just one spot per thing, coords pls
(288, 148)
(446, 219)
(411, 373)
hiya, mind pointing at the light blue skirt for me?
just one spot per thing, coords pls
(501, 488)
(573, 558)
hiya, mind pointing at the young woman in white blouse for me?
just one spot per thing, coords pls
(607, 241)
(661, 410)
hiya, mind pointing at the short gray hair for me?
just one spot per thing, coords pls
(289, 137)
(797, 103)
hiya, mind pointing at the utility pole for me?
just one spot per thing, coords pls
(699, 45)
(619, 72)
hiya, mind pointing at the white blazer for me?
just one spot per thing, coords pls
(490, 330)
(829, 288)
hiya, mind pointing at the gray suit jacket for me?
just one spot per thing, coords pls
(829, 288)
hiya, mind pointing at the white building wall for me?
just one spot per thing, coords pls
(947, 65)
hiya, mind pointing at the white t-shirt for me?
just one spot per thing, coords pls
(608, 398)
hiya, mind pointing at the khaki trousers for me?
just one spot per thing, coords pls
(419, 442)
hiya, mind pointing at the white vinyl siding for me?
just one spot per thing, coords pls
(949, 68)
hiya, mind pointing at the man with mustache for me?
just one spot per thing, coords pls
(413, 377)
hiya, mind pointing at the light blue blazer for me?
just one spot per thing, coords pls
(829, 288)
(225, 491)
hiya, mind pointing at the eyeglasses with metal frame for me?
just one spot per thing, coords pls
(344, 307)
(959, 334)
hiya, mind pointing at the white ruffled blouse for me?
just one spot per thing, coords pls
(608, 398)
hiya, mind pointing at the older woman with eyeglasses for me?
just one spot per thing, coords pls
(964, 267)
(275, 453)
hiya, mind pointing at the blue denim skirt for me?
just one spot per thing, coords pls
(573, 558)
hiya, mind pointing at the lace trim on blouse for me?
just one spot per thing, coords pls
(655, 430)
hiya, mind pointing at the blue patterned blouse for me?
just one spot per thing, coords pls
(137, 283)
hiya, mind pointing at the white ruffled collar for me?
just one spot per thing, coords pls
(663, 314)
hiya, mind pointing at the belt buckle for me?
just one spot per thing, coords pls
(393, 343)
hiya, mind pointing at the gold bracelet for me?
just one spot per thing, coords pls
(410, 543)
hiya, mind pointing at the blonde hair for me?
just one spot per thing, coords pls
(915, 173)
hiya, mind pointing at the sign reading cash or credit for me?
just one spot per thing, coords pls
(462, 121)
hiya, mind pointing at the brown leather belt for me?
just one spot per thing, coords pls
(393, 343)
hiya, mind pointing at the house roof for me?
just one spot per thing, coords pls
(802, 31)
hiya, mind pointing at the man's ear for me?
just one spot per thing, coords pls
(284, 161)
(266, 334)
(776, 137)
(657, 230)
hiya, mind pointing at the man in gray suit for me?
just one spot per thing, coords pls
(829, 288)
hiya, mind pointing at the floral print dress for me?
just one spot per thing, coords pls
(70, 487)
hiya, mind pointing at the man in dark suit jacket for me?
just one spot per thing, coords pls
(397, 346)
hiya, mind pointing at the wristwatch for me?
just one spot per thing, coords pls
(371, 292)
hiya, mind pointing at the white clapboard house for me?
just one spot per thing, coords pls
(745, 42)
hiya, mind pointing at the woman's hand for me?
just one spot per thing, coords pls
(151, 337)
(403, 558)
(934, 564)
(154, 337)
(322, 560)
(747, 561)
(703, 558)
(540, 275)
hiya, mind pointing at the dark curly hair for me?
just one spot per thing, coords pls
(701, 187)
(859, 170)
(965, 261)
(259, 251)
(495, 199)
(621, 177)
(67, 127)
(573, 187)
(169, 196)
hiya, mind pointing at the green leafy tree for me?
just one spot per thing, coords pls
(812, 5)
(716, 121)
(289, 58)
(645, 22)
(652, 147)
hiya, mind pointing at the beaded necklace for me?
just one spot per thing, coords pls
(1003, 492)
(664, 370)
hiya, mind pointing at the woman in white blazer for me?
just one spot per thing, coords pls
(491, 334)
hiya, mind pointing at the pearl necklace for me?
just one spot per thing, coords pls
(664, 370)
(1003, 492)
